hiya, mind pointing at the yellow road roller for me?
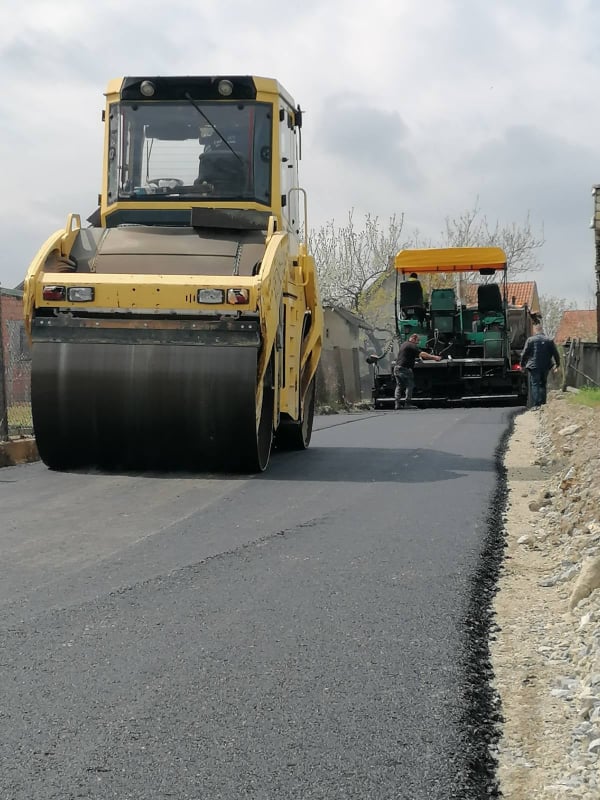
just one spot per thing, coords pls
(182, 327)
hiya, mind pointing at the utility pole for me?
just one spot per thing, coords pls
(596, 226)
(3, 403)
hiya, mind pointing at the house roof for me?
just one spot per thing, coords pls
(577, 325)
(11, 292)
(521, 293)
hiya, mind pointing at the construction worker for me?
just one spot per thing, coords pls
(537, 357)
(408, 353)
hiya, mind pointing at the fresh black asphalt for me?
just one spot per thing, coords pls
(317, 631)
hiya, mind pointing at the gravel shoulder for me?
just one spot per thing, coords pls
(546, 650)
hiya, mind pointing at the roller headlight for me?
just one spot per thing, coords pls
(225, 88)
(211, 296)
(147, 88)
(80, 294)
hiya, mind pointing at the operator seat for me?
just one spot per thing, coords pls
(489, 305)
(412, 303)
(224, 170)
(489, 299)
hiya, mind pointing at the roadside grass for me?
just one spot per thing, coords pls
(19, 419)
(18, 412)
(587, 396)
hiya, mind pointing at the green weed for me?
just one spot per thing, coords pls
(587, 396)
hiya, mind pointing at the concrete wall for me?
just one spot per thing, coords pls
(338, 332)
(340, 376)
(338, 379)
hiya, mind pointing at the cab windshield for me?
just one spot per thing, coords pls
(216, 151)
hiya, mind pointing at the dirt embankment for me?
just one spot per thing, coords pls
(546, 654)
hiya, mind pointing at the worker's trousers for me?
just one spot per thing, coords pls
(405, 383)
(538, 379)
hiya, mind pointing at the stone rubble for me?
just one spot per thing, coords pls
(547, 659)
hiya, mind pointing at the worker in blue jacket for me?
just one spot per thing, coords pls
(537, 357)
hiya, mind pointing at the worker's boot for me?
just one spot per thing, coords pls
(408, 403)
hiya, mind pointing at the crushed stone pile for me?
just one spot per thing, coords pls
(546, 652)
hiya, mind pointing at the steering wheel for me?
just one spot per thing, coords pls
(204, 187)
(156, 181)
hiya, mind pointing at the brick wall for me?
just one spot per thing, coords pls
(15, 347)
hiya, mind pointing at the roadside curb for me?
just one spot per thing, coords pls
(18, 451)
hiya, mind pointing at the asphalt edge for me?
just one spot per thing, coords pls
(483, 706)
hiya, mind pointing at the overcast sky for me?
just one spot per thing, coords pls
(415, 108)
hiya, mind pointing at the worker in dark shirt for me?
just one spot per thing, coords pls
(403, 370)
(537, 357)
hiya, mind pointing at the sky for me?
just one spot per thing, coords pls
(417, 109)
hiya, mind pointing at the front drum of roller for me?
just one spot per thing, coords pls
(148, 406)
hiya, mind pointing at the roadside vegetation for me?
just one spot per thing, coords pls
(19, 419)
(587, 396)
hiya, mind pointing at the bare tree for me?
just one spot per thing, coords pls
(349, 259)
(519, 242)
(552, 309)
(355, 264)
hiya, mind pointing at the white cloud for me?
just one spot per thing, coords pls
(415, 108)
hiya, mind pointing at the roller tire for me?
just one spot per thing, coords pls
(296, 434)
(258, 461)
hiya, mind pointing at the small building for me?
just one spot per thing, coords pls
(343, 375)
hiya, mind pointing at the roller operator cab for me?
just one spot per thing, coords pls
(181, 328)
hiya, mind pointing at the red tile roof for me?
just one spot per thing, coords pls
(519, 294)
(577, 325)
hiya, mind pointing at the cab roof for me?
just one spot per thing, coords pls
(451, 259)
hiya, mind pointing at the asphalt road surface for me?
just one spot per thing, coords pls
(318, 631)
